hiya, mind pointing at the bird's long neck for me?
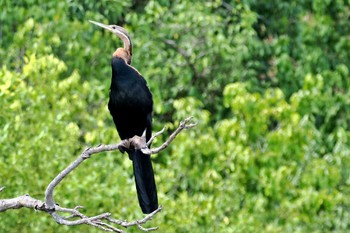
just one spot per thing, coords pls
(124, 54)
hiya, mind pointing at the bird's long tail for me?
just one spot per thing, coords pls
(145, 184)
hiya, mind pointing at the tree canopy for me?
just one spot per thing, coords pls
(267, 81)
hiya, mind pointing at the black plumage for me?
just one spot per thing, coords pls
(131, 106)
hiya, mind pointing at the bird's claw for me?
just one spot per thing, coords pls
(122, 149)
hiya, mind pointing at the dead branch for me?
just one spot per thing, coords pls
(102, 221)
(183, 125)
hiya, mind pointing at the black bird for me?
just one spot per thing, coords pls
(131, 105)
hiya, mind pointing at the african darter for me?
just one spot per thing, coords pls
(130, 104)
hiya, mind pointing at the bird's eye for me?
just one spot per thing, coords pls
(114, 27)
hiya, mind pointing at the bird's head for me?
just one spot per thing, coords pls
(126, 52)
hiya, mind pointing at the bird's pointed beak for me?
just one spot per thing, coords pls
(101, 25)
(121, 33)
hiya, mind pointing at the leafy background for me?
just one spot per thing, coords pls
(268, 83)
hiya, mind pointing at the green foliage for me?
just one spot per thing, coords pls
(268, 83)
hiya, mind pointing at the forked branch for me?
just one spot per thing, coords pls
(102, 221)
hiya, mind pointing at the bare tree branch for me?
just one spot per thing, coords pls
(102, 221)
(183, 125)
(154, 136)
(19, 202)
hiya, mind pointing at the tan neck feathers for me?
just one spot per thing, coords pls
(122, 53)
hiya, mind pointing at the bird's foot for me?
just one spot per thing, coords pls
(122, 149)
(125, 146)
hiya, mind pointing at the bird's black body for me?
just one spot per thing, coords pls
(131, 106)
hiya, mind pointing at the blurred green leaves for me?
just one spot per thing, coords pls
(267, 82)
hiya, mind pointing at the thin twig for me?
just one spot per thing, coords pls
(154, 136)
(183, 125)
(137, 222)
